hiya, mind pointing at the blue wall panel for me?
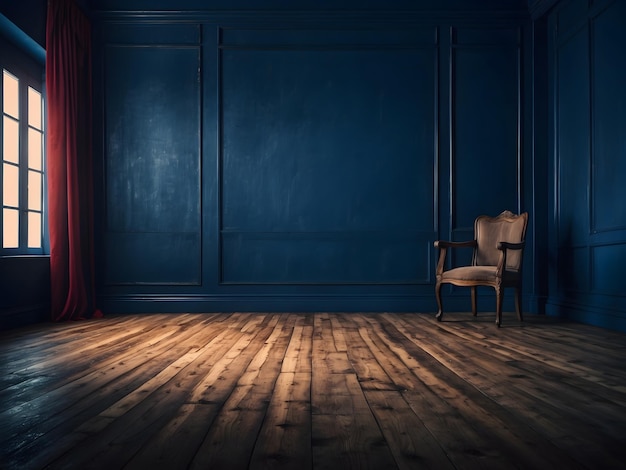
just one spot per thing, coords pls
(344, 5)
(573, 270)
(313, 172)
(342, 258)
(486, 125)
(320, 149)
(609, 138)
(573, 141)
(607, 269)
(25, 290)
(589, 108)
(152, 143)
(167, 258)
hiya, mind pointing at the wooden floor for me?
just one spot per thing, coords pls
(336, 391)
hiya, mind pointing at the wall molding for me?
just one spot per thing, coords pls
(22, 40)
(538, 8)
(419, 303)
(585, 311)
(24, 315)
(300, 18)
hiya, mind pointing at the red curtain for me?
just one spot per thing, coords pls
(69, 157)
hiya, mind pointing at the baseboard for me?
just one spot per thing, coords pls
(24, 316)
(261, 303)
(157, 303)
(589, 314)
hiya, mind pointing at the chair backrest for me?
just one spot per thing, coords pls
(488, 231)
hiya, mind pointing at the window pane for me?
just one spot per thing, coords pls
(22, 164)
(11, 144)
(10, 185)
(10, 94)
(34, 149)
(34, 230)
(34, 108)
(34, 191)
(10, 232)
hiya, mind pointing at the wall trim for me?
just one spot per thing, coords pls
(24, 315)
(589, 314)
(18, 37)
(157, 303)
(304, 17)
(539, 8)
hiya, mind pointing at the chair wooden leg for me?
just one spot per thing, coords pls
(439, 304)
(474, 302)
(518, 303)
(498, 306)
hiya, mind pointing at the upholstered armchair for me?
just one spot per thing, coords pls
(496, 261)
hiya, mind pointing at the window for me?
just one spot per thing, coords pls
(23, 178)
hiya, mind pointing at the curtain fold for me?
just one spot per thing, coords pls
(69, 157)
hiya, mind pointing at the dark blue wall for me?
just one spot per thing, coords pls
(29, 16)
(262, 156)
(24, 291)
(588, 148)
(275, 160)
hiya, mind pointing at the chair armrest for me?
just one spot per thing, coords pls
(510, 246)
(503, 247)
(446, 244)
(443, 249)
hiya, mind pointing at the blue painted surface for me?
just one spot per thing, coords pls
(24, 290)
(152, 202)
(485, 151)
(345, 5)
(327, 161)
(18, 37)
(588, 218)
(317, 238)
(322, 158)
(29, 16)
(608, 190)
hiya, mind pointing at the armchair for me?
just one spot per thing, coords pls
(496, 261)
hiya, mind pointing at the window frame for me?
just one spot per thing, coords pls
(31, 74)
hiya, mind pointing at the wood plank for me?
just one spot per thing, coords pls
(284, 440)
(322, 390)
(410, 441)
(518, 343)
(371, 374)
(176, 444)
(349, 441)
(246, 344)
(435, 402)
(344, 429)
(517, 435)
(127, 423)
(231, 439)
(338, 333)
(109, 378)
(60, 354)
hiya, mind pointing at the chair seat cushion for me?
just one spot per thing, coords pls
(477, 273)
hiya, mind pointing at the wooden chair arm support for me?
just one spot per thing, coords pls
(443, 249)
(503, 247)
(446, 244)
(510, 246)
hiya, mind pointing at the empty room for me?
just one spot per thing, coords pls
(312, 234)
